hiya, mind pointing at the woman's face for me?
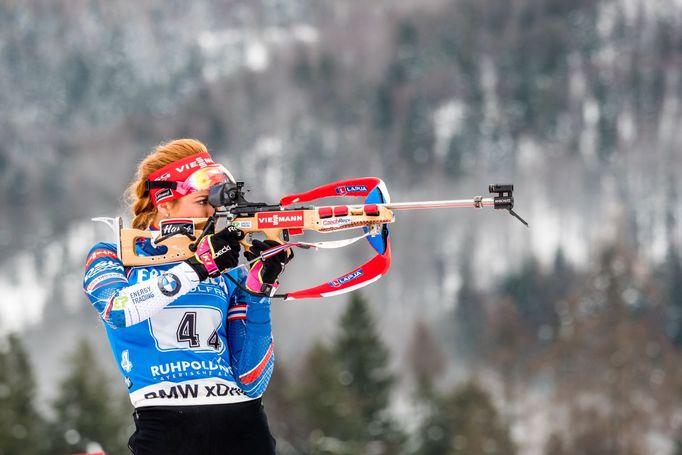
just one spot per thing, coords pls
(194, 205)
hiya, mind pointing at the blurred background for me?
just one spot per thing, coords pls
(485, 337)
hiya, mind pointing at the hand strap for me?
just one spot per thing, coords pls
(254, 281)
(204, 255)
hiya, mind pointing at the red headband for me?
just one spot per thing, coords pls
(166, 184)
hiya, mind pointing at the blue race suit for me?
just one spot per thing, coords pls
(176, 340)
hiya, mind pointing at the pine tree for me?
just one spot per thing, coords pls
(346, 389)
(673, 278)
(325, 402)
(427, 364)
(470, 318)
(363, 358)
(471, 425)
(678, 447)
(285, 415)
(434, 432)
(87, 410)
(364, 361)
(425, 359)
(612, 324)
(21, 427)
(477, 425)
(528, 291)
(417, 138)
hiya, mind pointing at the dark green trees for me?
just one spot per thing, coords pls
(346, 389)
(21, 427)
(87, 413)
(465, 422)
(88, 410)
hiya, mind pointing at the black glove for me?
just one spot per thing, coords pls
(217, 253)
(272, 266)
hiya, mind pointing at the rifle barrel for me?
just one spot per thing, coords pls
(458, 203)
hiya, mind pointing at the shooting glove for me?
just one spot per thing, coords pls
(263, 274)
(217, 253)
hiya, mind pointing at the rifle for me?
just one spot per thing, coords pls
(291, 217)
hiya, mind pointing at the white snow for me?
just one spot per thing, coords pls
(447, 121)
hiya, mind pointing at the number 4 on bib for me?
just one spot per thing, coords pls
(187, 330)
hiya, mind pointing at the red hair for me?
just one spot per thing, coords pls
(165, 153)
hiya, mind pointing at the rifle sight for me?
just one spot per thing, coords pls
(226, 195)
(504, 198)
(501, 188)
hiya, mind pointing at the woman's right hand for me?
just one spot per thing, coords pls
(217, 253)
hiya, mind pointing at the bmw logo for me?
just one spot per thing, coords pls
(169, 284)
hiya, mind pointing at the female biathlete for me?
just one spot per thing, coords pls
(195, 351)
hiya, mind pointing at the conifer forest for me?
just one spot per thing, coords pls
(485, 337)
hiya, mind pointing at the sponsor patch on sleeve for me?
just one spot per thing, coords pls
(100, 253)
(169, 284)
(104, 280)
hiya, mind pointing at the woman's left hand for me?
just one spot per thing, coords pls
(265, 272)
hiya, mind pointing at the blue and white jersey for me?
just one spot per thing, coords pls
(176, 340)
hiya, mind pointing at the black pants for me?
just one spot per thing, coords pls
(224, 429)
